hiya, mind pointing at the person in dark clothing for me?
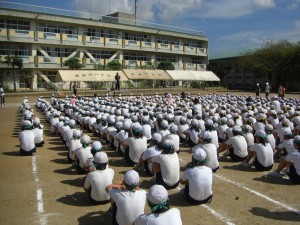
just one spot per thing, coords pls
(74, 87)
(257, 91)
(117, 78)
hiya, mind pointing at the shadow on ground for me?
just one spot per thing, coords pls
(276, 215)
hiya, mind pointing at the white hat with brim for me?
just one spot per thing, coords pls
(131, 177)
(100, 157)
(157, 194)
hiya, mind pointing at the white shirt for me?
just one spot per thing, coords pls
(136, 147)
(211, 155)
(249, 138)
(259, 126)
(288, 145)
(83, 155)
(149, 153)
(130, 205)
(294, 157)
(39, 135)
(197, 109)
(122, 136)
(74, 145)
(175, 139)
(169, 166)
(271, 140)
(280, 132)
(239, 145)
(221, 131)
(164, 132)
(214, 137)
(98, 180)
(172, 216)
(264, 153)
(27, 138)
(193, 135)
(200, 182)
(147, 131)
(181, 129)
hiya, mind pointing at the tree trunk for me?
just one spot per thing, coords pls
(14, 79)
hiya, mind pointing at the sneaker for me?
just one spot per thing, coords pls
(274, 173)
(244, 164)
(284, 172)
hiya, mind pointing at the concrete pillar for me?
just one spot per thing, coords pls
(34, 81)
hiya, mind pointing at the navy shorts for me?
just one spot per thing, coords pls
(31, 152)
(258, 166)
(293, 175)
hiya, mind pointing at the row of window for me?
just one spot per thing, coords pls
(24, 50)
(96, 32)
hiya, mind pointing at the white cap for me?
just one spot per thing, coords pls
(77, 133)
(97, 145)
(164, 124)
(287, 132)
(72, 123)
(100, 157)
(157, 194)
(131, 177)
(209, 122)
(27, 123)
(237, 129)
(127, 125)
(156, 137)
(36, 121)
(297, 139)
(199, 153)
(85, 139)
(205, 135)
(111, 119)
(260, 133)
(269, 127)
(173, 128)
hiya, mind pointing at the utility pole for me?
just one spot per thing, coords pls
(135, 9)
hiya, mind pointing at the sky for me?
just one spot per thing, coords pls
(232, 26)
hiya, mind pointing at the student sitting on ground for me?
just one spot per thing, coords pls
(197, 179)
(97, 180)
(262, 153)
(157, 198)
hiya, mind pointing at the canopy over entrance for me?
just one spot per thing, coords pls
(186, 75)
(139, 74)
(88, 75)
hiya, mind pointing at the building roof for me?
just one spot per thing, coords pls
(193, 75)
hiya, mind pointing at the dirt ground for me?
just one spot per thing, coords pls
(46, 190)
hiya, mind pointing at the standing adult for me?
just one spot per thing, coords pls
(117, 78)
(2, 98)
(257, 90)
(74, 87)
(267, 90)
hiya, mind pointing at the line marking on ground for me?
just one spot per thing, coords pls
(39, 194)
(212, 211)
(283, 205)
(218, 215)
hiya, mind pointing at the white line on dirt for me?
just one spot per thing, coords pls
(283, 205)
(218, 215)
(39, 194)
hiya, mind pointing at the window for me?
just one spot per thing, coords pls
(54, 28)
(14, 24)
(20, 50)
(57, 52)
(161, 58)
(136, 56)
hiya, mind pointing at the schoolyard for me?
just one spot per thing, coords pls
(46, 190)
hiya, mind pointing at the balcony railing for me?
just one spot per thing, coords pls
(22, 33)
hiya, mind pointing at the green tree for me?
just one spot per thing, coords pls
(14, 62)
(220, 68)
(166, 65)
(276, 61)
(114, 65)
(73, 63)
